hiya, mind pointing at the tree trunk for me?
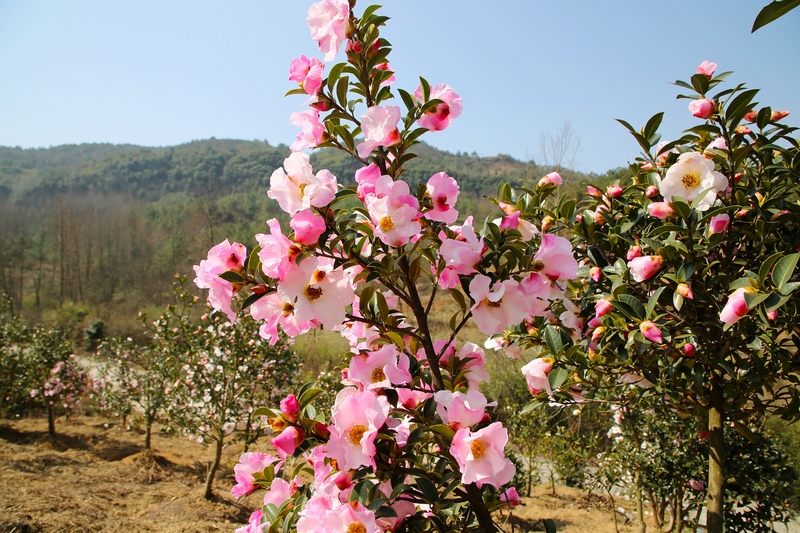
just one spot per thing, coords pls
(212, 471)
(639, 506)
(51, 421)
(716, 458)
(147, 433)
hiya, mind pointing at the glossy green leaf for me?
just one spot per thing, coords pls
(773, 12)
(784, 269)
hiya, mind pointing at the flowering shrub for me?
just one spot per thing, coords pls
(211, 373)
(690, 281)
(409, 442)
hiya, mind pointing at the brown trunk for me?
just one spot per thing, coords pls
(639, 506)
(212, 471)
(716, 458)
(51, 421)
(147, 432)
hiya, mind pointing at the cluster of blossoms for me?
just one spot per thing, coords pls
(65, 386)
(410, 436)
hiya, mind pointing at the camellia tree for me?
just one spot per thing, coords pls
(409, 444)
(690, 281)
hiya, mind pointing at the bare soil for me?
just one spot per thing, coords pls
(97, 477)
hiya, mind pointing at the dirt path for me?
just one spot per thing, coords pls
(95, 478)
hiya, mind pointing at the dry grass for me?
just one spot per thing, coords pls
(94, 478)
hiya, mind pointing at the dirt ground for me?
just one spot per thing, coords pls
(95, 478)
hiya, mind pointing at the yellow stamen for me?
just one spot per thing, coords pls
(387, 224)
(477, 449)
(312, 293)
(357, 433)
(378, 375)
(690, 181)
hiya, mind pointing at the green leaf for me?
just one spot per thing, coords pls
(651, 303)
(443, 430)
(428, 490)
(557, 377)
(426, 89)
(634, 303)
(700, 83)
(264, 411)
(784, 269)
(233, 277)
(772, 12)
(552, 336)
(308, 396)
(763, 272)
(652, 125)
(752, 299)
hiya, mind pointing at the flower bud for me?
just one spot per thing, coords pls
(661, 210)
(689, 350)
(547, 222)
(742, 130)
(593, 191)
(595, 274)
(707, 69)
(651, 332)
(703, 108)
(614, 191)
(647, 165)
(651, 191)
(719, 223)
(290, 408)
(751, 115)
(634, 252)
(778, 115)
(598, 333)
(685, 291)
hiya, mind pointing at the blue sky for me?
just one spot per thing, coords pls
(158, 73)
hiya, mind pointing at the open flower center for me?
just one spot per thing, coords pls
(356, 527)
(378, 375)
(288, 309)
(357, 433)
(312, 293)
(387, 224)
(493, 305)
(690, 181)
(537, 266)
(302, 188)
(477, 449)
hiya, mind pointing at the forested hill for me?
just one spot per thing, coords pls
(217, 167)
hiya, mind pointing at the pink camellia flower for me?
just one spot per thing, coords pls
(443, 191)
(645, 267)
(614, 191)
(593, 191)
(719, 223)
(280, 490)
(317, 294)
(394, 211)
(690, 176)
(554, 178)
(707, 69)
(685, 291)
(221, 258)
(510, 496)
(277, 251)
(702, 108)
(275, 311)
(357, 417)
(651, 191)
(379, 126)
(298, 188)
(249, 463)
(602, 307)
(651, 332)
(778, 115)
(308, 73)
(307, 226)
(288, 440)
(460, 410)
(290, 408)
(380, 369)
(634, 251)
(439, 117)
(495, 309)
(696, 485)
(312, 132)
(555, 259)
(736, 306)
(536, 373)
(367, 177)
(480, 455)
(689, 350)
(595, 273)
(351, 518)
(717, 144)
(661, 210)
(328, 21)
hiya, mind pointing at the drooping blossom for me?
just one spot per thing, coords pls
(357, 417)
(661, 210)
(439, 117)
(736, 306)
(249, 463)
(696, 485)
(298, 187)
(328, 21)
(702, 108)
(379, 126)
(394, 211)
(498, 308)
(307, 226)
(317, 293)
(480, 455)
(719, 223)
(460, 255)
(651, 332)
(707, 69)
(554, 178)
(691, 175)
(221, 258)
(308, 73)
(443, 191)
(312, 131)
(645, 267)
(536, 374)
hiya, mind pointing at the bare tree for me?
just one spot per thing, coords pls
(559, 149)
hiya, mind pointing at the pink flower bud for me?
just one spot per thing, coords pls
(602, 307)
(598, 333)
(645, 267)
(778, 115)
(633, 252)
(510, 496)
(578, 218)
(751, 115)
(290, 408)
(595, 274)
(736, 306)
(614, 191)
(719, 223)
(772, 315)
(685, 291)
(661, 210)
(742, 130)
(288, 440)
(647, 165)
(707, 69)
(689, 350)
(651, 332)
(651, 191)
(547, 222)
(702, 108)
(593, 191)
(551, 179)
(696, 485)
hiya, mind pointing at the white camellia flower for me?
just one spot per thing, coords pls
(691, 175)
